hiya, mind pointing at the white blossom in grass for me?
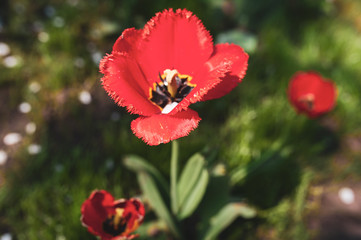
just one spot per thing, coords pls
(49, 11)
(60, 237)
(346, 195)
(58, 168)
(109, 164)
(115, 116)
(34, 149)
(73, 2)
(43, 37)
(19, 8)
(79, 62)
(6, 236)
(12, 138)
(34, 87)
(25, 107)
(38, 26)
(85, 97)
(4, 49)
(30, 128)
(11, 61)
(97, 56)
(58, 22)
(3, 157)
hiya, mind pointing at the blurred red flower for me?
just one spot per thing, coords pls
(310, 94)
(158, 71)
(109, 219)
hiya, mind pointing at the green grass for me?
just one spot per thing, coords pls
(270, 152)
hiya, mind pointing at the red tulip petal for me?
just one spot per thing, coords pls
(205, 81)
(134, 214)
(221, 73)
(128, 41)
(95, 210)
(310, 83)
(239, 62)
(303, 83)
(162, 128)
(326, 97)
(125, 83)
(138, 206)
(174, 40)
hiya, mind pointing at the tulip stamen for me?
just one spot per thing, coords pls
(115, 224)
(307, 101)
(172, 89)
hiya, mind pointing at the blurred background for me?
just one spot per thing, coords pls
(61, 136)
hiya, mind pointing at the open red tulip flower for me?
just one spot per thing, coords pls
(110, 219)
(310, 94)
(158, 71)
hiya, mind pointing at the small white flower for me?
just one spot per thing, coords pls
(346, 195)
(34, 87)
(3, 157)
(59, 168)
(12, 138)
(4, 49)
(58, 22)
(25, 107)
(73, 2)
(11, 61)
(30, 128)
(49, 11)
(85, 97)
(34, 149)
(60, 237)
(109, 164)
(79, 62)
(96, 56)
(6, 236)
(43, 37)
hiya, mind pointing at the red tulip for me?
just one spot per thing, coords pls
(158, 71)
(310, 94)
(109, 219)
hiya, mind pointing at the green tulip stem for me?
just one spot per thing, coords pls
(174, 176)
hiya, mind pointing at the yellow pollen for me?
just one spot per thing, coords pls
(172, 83)
(118, 217)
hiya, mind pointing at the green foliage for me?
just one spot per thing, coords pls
(226, 216)
(190, 191)
(194, 176)
(153, 196)
(271, 155)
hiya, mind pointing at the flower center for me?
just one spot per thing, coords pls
(172, 88)
(307, 101)
(115, 224)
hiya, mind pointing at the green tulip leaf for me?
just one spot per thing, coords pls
(226, 216)
(195, 196)
(190, 175)
(152, 193)
(138, 164)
